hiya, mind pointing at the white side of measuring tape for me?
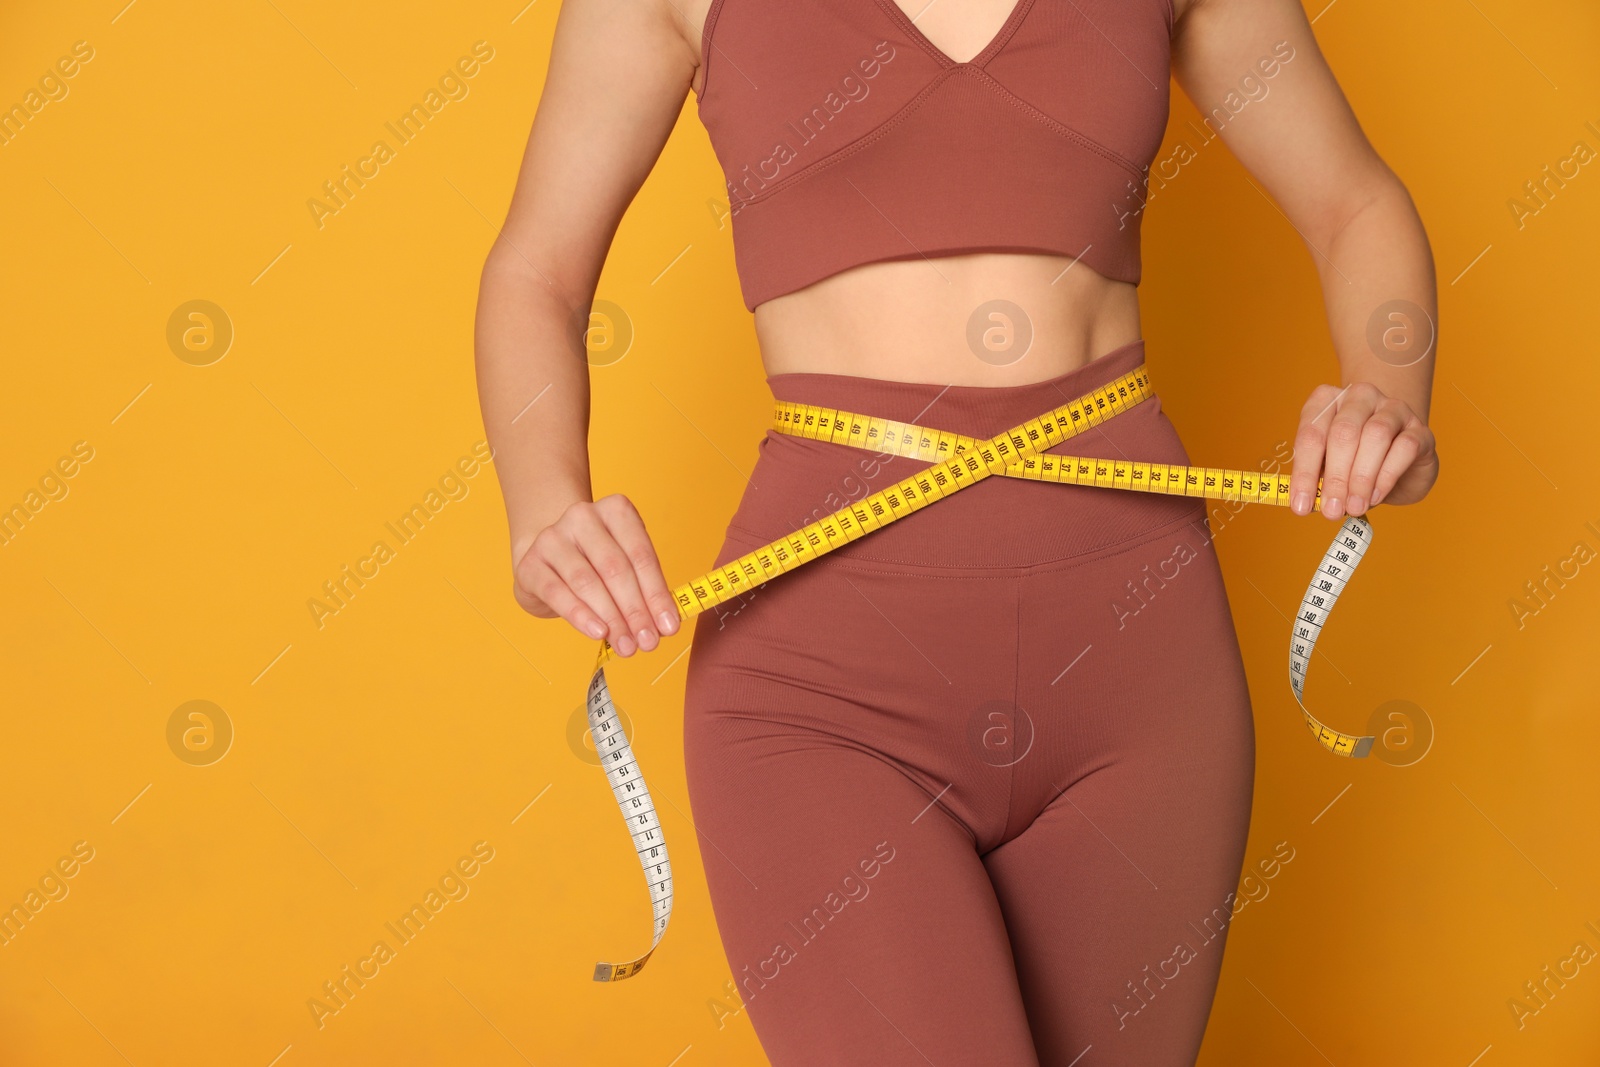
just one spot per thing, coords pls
(638, 810)
(1338, 564)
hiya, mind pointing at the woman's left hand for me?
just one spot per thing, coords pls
(1368, 448)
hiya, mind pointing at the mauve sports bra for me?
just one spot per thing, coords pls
(847, 137)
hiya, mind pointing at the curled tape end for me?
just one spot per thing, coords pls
(616, 972)
(1363, 747)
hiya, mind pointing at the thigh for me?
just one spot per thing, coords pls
(1119, 891)
(1116, 948)
(858, 921)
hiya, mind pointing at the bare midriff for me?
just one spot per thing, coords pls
(978, 319)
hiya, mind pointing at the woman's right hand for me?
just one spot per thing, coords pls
(595, 567)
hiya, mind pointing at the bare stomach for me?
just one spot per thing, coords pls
(984, 319)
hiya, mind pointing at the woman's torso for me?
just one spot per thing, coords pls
(987, 318)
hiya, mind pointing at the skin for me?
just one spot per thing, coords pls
(620, 72)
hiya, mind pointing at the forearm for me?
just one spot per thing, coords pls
(533, 390)
(1379, 289)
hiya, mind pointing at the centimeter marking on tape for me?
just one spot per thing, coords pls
(957, 462)
(638, 810)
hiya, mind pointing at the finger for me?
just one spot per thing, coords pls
(1376, 437)
(537, 585)
(1403, 454)
(611, 562)
(1309, 443)
(571, 564)
(623, 520)
(1344, 436)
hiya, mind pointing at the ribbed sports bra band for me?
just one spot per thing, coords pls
(847, 137)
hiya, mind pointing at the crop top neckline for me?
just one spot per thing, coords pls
(1019, 11)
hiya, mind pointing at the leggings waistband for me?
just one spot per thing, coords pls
(978, 410)
(998, 523)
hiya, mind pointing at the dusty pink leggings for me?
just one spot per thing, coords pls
(973, 789)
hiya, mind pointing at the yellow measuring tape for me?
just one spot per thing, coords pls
(957, 462)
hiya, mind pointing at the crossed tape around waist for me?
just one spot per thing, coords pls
(957, 461)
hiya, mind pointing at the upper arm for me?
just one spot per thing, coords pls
(1253, 68)
(618, 76)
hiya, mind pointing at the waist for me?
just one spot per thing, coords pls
(998, 523)
(939, 320)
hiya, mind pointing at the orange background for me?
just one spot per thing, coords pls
(371, 754)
